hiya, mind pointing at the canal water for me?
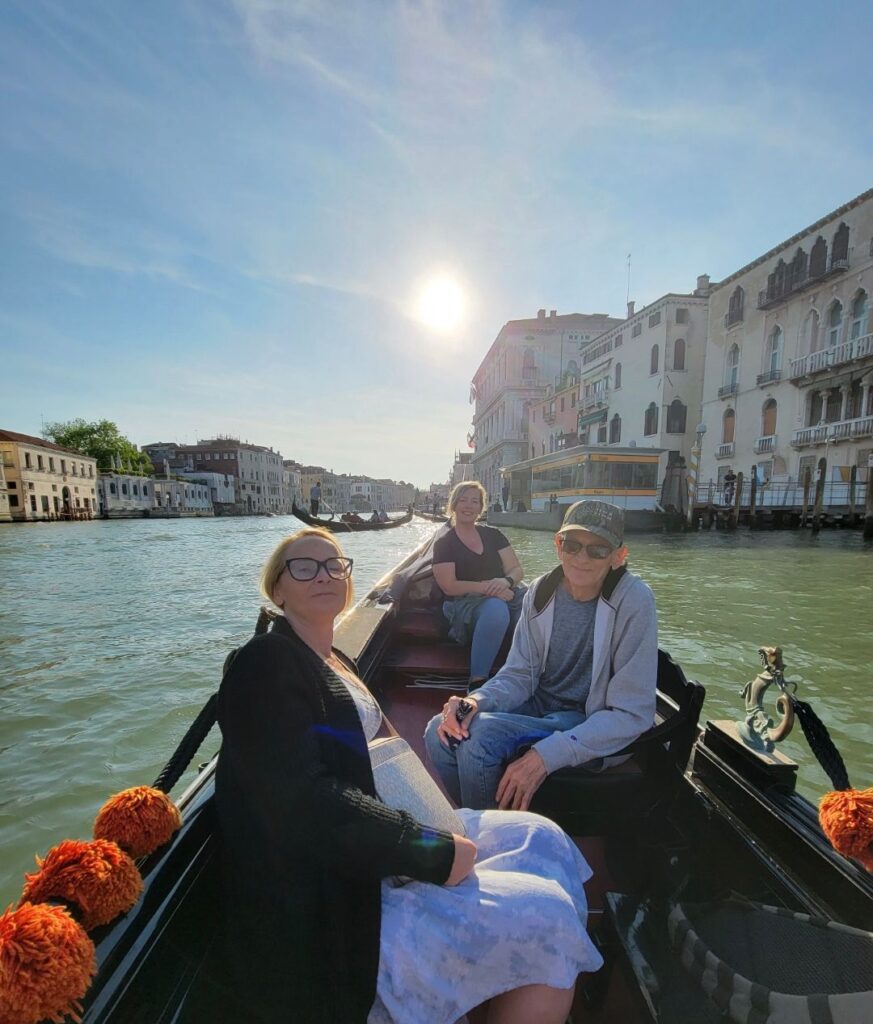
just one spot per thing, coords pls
(112, 637)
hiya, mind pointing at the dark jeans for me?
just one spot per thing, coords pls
(313, 506)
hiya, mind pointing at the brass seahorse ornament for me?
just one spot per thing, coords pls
(758, 729)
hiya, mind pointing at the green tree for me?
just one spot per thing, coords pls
(103, 441)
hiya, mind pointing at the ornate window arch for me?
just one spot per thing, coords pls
(835, 323)
(768, 418)
(812, 336)
(860, 314)
(677, 414)
(679, 354)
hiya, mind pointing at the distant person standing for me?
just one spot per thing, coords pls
(314, 498)
(505, 495)
(730, 482)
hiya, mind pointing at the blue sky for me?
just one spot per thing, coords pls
(215, 214)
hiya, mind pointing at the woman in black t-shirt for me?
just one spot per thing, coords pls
(478, 571)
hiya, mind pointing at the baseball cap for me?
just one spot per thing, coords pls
(597, 517)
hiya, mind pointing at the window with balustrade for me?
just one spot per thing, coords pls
(732, 367)
(728, 422)
(835, 324)
(859, 315)
(773, 354)
(811, 336)
(679, 354)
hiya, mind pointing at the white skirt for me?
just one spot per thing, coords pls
(518, 919)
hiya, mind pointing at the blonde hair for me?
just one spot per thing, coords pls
(275, 564)
(459, 489)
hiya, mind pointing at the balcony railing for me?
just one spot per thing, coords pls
(768, 377)
(593, 399)
(817, 362)
(727, 390)
(765, 444)
(725, 451)
(840, 430)
(790, 284)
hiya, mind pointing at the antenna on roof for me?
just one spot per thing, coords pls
(627, 299)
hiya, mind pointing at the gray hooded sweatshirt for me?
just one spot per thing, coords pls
(621, 702)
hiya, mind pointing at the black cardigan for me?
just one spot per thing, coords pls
(304, 840)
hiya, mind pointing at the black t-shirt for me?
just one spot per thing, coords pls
(469, 565)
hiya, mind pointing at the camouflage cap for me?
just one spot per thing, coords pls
(597, 517)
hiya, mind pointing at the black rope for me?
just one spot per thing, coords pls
(821, 744)
(202, 725)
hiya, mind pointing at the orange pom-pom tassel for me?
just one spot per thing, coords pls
(47, 962)
(847, 819)
(98, 877)
(139, 820)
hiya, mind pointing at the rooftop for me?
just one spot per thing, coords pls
(12, 435)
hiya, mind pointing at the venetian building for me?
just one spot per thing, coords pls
(525, 359)
(47, 481)
(789, 368)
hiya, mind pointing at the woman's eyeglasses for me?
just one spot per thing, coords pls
(596, 551)
(303, 569)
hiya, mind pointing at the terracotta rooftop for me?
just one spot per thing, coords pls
(12, 435)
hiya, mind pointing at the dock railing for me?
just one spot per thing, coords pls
(784, 494)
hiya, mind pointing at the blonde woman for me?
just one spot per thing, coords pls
(340, 908)
(479, 573)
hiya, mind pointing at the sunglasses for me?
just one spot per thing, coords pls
(303, 569)
(596, 551)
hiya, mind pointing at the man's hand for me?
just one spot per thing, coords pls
(520, 781)
(452, 729)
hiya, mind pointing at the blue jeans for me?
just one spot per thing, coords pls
(489, 622)
(472, 772)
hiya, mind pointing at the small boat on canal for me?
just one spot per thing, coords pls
(349, 526)
(714, 886)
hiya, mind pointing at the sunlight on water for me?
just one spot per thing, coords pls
(112, 637)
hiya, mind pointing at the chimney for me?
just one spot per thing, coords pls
(553, 312)
(702, 288)
(630, 309)
(541, 314)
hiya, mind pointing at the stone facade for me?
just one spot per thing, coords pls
(124, 496)
(5, 516)
(789, 372)
(526, 358)
(45, 481)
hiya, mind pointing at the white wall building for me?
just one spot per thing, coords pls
(526, 357)
(125, 496)
(789, 371)
(641, 382)
(222, 489)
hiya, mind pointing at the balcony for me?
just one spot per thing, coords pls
(781, 291)
(767, 443)
(728, 390)
(840, 430)
(828, 358)
(768, 378)
(725, 451)
(594, 399)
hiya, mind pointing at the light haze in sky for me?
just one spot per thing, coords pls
(304, 223)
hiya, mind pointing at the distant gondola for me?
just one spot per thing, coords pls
(433, 517)
(338, 526)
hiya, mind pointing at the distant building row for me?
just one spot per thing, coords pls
(775, 363)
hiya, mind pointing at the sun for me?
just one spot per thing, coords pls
(440, 304)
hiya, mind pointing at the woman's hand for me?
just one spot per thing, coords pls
(450, 727)
(493, 588)
(465, 859)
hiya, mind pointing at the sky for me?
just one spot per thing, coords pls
(218, 216)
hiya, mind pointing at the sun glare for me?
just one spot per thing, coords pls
(440, 304)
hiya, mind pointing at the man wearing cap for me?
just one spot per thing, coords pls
(578, 684)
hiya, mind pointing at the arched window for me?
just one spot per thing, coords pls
(728, 422)
(859, 315)
(650, 420)
(773, 354)
(835, 324)
(617, 376)
(528, 367)
(676, 416)
(615, 429)
(768, 418)
(679, 354)
(653, 364)
(840, 245)
(811, 333)
(735, 306)
(732, 367)
(818, 258)
(572, 368)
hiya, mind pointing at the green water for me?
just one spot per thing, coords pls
(112, 636)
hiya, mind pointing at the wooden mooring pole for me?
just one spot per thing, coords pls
(821, 476)
(853, 477)
(868, 504)
(734, 514)
(753, 496)
(807, 480)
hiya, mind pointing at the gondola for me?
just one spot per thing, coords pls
(433, 517)
(338, 526)
(697, 822)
